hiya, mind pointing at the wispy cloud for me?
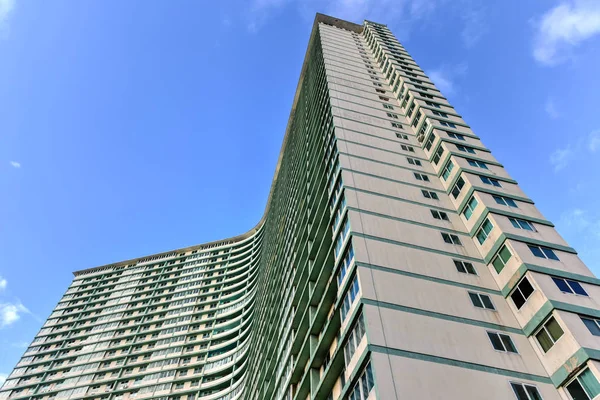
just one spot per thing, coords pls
(3, 284)
(594, 141)
(581, 221)
(564, 27)
(20, 345)
(14, 164)
(474, 24)
(561, 157)
(551, 109)
(444, 77)
(3, 379)
(11, 313)
(6, 9)
(393, 11)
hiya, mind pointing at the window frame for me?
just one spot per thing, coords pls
(524, 386)
(501, 337)
(480, 297)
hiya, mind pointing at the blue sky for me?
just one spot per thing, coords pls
(134, 127)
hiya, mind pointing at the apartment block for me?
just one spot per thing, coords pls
(396, 259)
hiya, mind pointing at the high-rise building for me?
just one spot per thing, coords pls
(396, 259)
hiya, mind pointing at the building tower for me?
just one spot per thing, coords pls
(396, 259)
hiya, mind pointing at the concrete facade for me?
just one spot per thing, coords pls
(397, 259)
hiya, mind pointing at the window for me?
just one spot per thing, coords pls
(401, 136)
(448, 124)
(465, 149)
(481, 300)
(484, 231)
(569, 286)
(521, 293)
(392, 115)
(440, 114)
(388, 106)
(413, 161)
(465, 267)
(380, 91)
(439, 215)
(350, 296)
(429, 103)
(447, 170)
(384, 98)
(475, 163)
(584, 387)
(543, 252)
(407, 148)
(429, 142)
(501, 258)
(522, 224)
(430, 195)
(363, 386)
(455, 135)
(345, 264)
(396, 125)
(548, 334)
(421, 177)
(502, 342)
(592, 324)
(438, 155)
(525, 392)
(490, 181)
(356, 334)
(458, 187)
(505, 201)
(470, 207)
(451, 239)
(343, 233)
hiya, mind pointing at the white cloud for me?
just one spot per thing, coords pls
(443, 77)
(6, 8)
(391, 11)
(550, 108)
(11, 313)
(594, 141)
(3, 379)
(561, 158)
(581, 221)
(3, 284)
(20, 345)
(474, 25)
(565, 27)
(14, 164)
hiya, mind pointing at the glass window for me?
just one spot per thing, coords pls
(505, 201)
(490, 181)
(521, 293)
(470, 207)
(502, 342)
(543, 252)
(451, 239)
(522, 224)
(484, 231)
(569, 286)
(447, 170)
(465, 267)
(548, 334)
(525, 392)
(593, 325)
(584, 387)
(458, 187)
(481, 300)
(501, 258)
